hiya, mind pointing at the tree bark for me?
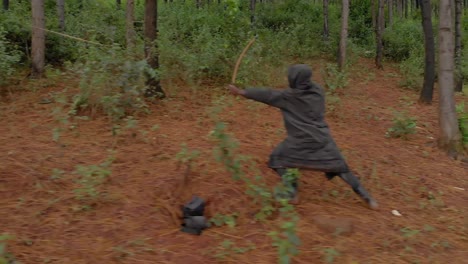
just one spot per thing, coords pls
(6, 4)
(429, 50)
(399, 8)
(458, 46)
(379, 33)
(405, 7)
(449, 137)
(153, 84)
(38, 39)
(390, 12)
(325, 20)
(344, 34)
(374, 20)
(130, 32)
(61, 14)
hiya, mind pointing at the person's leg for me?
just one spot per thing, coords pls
(331, 175)
(357, 187)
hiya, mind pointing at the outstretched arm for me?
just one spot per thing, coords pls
(267, 96)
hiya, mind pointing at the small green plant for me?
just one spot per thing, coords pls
(286, 240)
(229, 220)
(111, 82)
(408, 232)
(186, 156)
(227, 248)
(8, 58)
(402, 126)
(5, 256)
(463, 121)
(334, 78)
(90, 178)
(330, 254)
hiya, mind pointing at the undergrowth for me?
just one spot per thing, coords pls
(285, 239)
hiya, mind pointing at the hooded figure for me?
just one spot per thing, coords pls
(309, 144)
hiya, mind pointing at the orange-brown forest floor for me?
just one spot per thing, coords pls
(133, 221)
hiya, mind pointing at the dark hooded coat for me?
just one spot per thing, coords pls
(309, 144)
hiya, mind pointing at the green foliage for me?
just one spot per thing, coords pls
(402, 38)
(286, 239)
(229, 220)
(403, 126)
(227, 248)
(463, 121)
(185, 156)
(330, 255)
(5, 256)
(8, 57)
(112, 82)
(90, 178)
(412, 70)
(334, 78)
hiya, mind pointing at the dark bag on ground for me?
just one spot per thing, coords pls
(193, 220)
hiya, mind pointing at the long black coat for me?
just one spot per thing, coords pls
(309, 144)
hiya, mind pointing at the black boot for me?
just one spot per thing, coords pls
(353, 181)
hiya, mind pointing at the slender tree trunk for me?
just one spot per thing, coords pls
(61, 14)
(405, 6)
(379, 33)
(6, 4)
(458, 46)
(390, 12)
(198, 3)
(429, 50)
(38, 39)
(130, 32)
(154, 88)
(449, 138)
(252, 13)
(374, 20)
(344, 34)
(399, 8)
(118, 3)
(325, 20)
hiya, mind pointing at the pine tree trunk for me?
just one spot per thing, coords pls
(130, 34)
(61, 14)
(325, 20)
(449, 137)
(153, 84)
(379, 35)
(390, 12)
(458, 46)
(344, 34)
(374, 20)
(405, 6)
(38, 39)
(429, 49)
(400, 8)
(6, 4)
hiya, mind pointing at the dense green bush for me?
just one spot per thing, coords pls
(8, 57)
(402, 38)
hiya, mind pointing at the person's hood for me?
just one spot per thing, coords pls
(299, 76)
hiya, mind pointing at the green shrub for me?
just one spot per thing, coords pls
(8, 58)
(402, 39)
(112, 82)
